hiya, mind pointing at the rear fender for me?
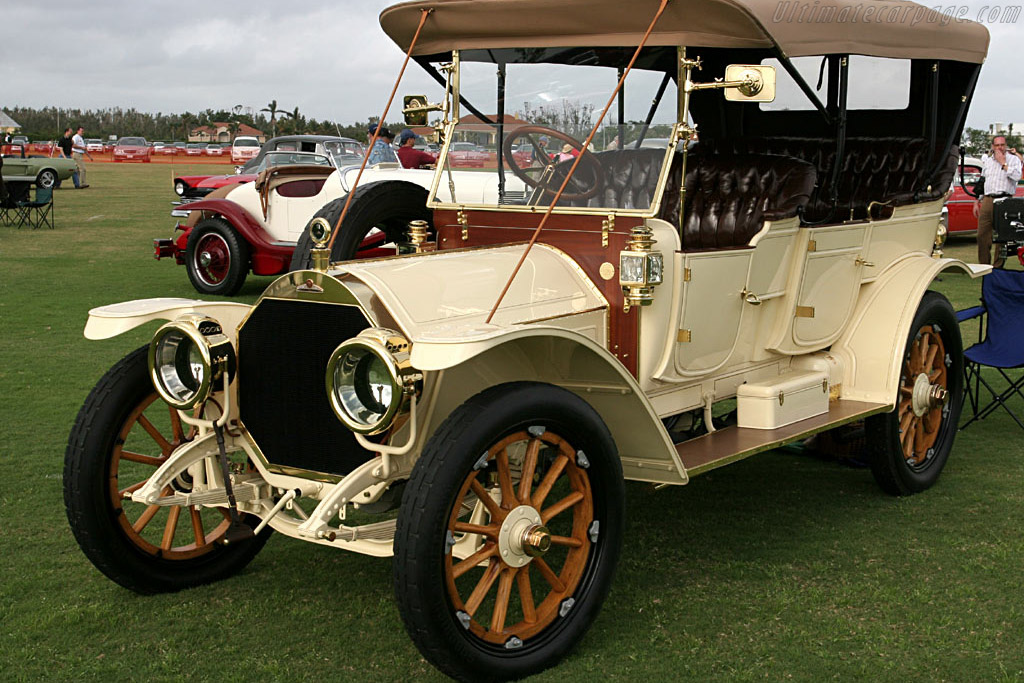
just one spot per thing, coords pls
(111, 320)
(562, 358)
(871, 349)
(268, 257)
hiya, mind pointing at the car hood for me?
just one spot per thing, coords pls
(445, 297)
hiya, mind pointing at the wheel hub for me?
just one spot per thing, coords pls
(205, 259)
(927, 396)
(523, 536)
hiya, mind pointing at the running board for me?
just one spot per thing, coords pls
(731, 444)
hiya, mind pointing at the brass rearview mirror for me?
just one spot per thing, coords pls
(416, 108)
(755, 83)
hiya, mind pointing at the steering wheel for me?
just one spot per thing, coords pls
(585, 182)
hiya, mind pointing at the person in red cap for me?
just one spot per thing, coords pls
(409, 156)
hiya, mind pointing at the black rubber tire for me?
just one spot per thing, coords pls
(387, 204)
(46, 179)
(236, 250)
(894, 474)
(93, 519)
(420, 539)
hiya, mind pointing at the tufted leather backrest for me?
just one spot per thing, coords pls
(890, 170)
(730, 196)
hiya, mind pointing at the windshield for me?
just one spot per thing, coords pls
(345, 152)
(549, 110)
(132, 142)
(247, 142)
(292, 158)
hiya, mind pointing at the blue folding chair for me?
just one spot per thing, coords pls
(1000, 345)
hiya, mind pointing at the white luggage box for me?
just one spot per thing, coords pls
(787, 399)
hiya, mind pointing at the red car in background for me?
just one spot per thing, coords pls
(133, 149)
(959, 209)
(195, 149)
(193, 187)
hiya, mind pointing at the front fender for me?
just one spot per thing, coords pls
(111, 320)
(268, 256)
(563, 358)
(871, 349)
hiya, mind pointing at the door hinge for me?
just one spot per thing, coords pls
(812, 245)
(464, 222)
(607, 225)
(687, 274)
(683, 336)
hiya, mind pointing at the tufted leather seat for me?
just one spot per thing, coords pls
(891, 170)
(730, 196)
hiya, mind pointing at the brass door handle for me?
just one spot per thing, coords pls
(751, 298)
(861, 262)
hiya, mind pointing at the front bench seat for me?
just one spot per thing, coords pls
(730, 196)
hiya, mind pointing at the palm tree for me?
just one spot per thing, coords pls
(186, 119)
(272, 109)
(295, 119)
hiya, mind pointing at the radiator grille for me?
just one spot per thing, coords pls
(283, 349)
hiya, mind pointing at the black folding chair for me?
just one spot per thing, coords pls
(38, 212)
(1000, 345)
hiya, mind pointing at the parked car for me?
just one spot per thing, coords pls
(214, 149)
(166, 149)
(109, 145)
(467, 155)
(45, 172)
(94, 145)
(243, 148)
(344, 150)
(960, 205)
(133, 149)
(473, 406)
(193, 149)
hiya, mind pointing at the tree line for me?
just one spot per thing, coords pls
(49, 123)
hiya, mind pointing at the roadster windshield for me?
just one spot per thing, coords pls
(532, 120)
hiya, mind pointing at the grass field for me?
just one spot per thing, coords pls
(782, 567)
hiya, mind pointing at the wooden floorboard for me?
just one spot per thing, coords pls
(734, 443)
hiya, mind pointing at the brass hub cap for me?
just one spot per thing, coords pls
(519, 538)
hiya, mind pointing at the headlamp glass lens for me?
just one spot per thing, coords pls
(363, 386)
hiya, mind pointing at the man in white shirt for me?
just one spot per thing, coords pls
(1001, 170)
(77, 151)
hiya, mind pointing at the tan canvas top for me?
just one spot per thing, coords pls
(880, 28)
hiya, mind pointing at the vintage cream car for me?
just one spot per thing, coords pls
(473, 405)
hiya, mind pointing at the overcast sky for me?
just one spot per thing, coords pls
(329, 59)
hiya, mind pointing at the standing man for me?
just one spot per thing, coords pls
(78, 149)
(66, 146)
(1001, 170)
(410, 157)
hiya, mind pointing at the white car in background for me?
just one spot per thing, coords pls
(244, 147)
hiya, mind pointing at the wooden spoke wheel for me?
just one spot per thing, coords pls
(168, 532)
(123, 433)
(529, 556)
(923, 394)
(908, 447)
(509, 532)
